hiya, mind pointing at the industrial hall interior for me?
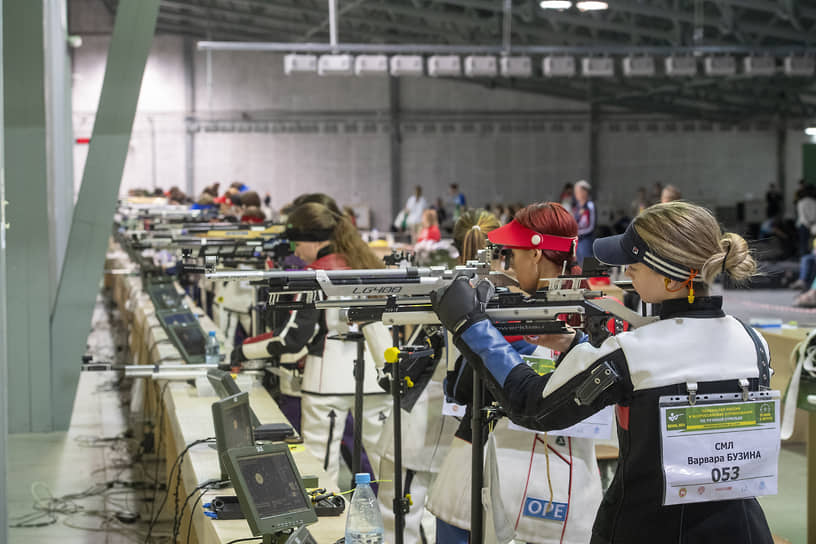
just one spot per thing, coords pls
(408, 271)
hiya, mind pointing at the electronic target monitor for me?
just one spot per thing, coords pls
(224, 385)
(269, 488)
(233, 425)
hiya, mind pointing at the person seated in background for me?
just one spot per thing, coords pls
(239, 186)
(249, 198)
(807, 271)
(253, 214)
(670, 193)
(204, 202)
(430, 227)
(176, 196)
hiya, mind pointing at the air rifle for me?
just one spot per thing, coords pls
(401, 296)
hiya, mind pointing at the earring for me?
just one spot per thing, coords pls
(666, 282)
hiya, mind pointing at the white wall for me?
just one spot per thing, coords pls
(506, 163)
(159, 128)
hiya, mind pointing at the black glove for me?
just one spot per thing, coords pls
(237, 356)
(459, 305)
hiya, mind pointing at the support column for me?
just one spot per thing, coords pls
(396, 147)
(189, 137)
(91, 226)
(60, 134)
(594, 135)
(3, 300)
(781, 155)
(28, 250)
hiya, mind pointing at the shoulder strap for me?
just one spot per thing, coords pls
(763, 363)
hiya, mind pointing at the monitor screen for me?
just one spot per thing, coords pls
(233, 425)
(269, 488)
(272, 484)
(191, 338)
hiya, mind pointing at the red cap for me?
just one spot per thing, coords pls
(516, 235)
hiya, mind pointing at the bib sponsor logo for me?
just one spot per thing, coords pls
(537, 508)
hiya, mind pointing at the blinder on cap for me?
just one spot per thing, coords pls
(316, 235)
(629, 248)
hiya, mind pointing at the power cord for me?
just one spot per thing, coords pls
(180, 516)
(220, 484)
(176, 464)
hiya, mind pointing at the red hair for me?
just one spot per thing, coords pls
(551, 218)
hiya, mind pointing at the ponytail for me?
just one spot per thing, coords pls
(470, 232)
(346, 241)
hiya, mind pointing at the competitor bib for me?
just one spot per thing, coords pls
(720, 448)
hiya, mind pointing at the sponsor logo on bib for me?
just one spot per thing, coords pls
(537, 508)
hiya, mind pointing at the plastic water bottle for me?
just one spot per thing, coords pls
(364, 523)
(211, 356)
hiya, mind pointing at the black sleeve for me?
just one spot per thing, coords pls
(558, 400)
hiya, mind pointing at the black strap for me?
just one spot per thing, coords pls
(332, 416)
(763, 361)
(409, 477)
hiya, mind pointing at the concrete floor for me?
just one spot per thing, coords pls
(66, 465)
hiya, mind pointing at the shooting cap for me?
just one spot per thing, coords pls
(629, 248)
(516, 235)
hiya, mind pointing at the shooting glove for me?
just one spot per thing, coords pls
(459, 305)
(237, 356)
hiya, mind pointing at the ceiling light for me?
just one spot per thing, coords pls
(480, 66)
(553, 66)
(555, 4)
(335, 65)
(444, 66)
(406, 65)
(591, 5)
(374, 65)
(810, 131)
(516, 66)
(799, 66)
(299, 63)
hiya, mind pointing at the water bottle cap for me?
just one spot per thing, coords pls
(362, 478)
(212, 333)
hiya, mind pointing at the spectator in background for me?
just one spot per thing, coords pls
(414, 207)
(501, 214)
(670, 193)
(657, 192)
(567, 199)
(640, 203)
(253, 214)
(204, 202)
(430, 227)
(457, 202)
(806, 218)
(442, 214)
(801, 189)
(773, 202)
(212, 190)
(584, 214)
(239, 186)
(249, 198)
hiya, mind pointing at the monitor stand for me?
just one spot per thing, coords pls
(301, 535)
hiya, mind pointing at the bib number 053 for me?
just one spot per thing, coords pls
(719, 448)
